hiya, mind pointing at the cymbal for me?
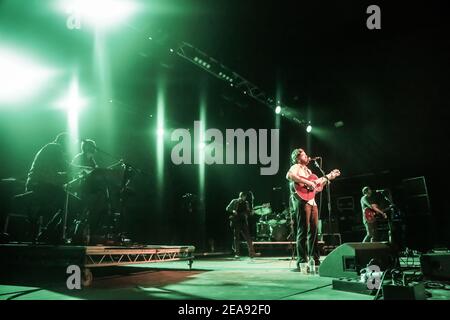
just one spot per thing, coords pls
(262, 211)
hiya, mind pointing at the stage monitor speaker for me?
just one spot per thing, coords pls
(349, 258)
(436, 265)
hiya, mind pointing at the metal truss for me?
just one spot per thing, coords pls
(115, 256)
(218, 70)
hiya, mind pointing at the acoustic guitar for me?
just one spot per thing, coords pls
(307, 193)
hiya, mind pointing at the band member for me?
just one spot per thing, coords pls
(240, 209)
(370, 208)
(305, 213)
(94, 192)
(46, 178)
(86, 158)
(252, 218)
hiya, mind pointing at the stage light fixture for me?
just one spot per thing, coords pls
(21, 77)
(308, 128)
(99, 13)
(278, 110)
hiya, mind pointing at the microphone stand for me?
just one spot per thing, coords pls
(328, 194)
(129, 170)
(389, 217)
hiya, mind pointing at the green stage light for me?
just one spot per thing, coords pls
(160, 120)
(278, 110)
(309, 128)
(98, 13)
(21, 77)
(73, 103)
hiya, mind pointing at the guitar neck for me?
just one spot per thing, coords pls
(323, 180)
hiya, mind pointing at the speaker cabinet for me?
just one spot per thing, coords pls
(436, 265)
(349, 258)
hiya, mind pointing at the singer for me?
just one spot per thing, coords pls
(305, 213)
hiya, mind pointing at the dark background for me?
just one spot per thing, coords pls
(388, 86)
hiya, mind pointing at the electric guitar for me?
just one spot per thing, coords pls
(370, 214)
(247, 212)
(242, 208)
(306, 192)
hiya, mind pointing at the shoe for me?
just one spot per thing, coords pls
(236, 257)
(255, 254)
(304, 269)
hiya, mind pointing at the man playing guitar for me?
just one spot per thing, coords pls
(304, 186)
(370, 210)
(239, 210)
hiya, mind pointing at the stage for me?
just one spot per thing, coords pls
(263, 278)
(48, 262)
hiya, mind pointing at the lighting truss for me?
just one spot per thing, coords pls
(218, 70)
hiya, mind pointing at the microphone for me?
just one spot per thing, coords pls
(314, 158)
(380, 190)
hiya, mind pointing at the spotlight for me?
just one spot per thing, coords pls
(339, 124)
(278, 110)
(99, 13)
(308, 128)
(21, 77)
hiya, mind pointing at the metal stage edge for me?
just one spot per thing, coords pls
(50, 256)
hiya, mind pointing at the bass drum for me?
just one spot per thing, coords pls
(262, 230)
(280, 231)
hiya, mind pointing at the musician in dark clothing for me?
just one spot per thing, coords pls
(92, 188)
(240, 210)
(46, 178)
(368, 201)
(85, 159)
(252, 218)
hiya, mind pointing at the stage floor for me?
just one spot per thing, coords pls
(210, 278)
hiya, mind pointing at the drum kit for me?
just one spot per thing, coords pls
(272, 226)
